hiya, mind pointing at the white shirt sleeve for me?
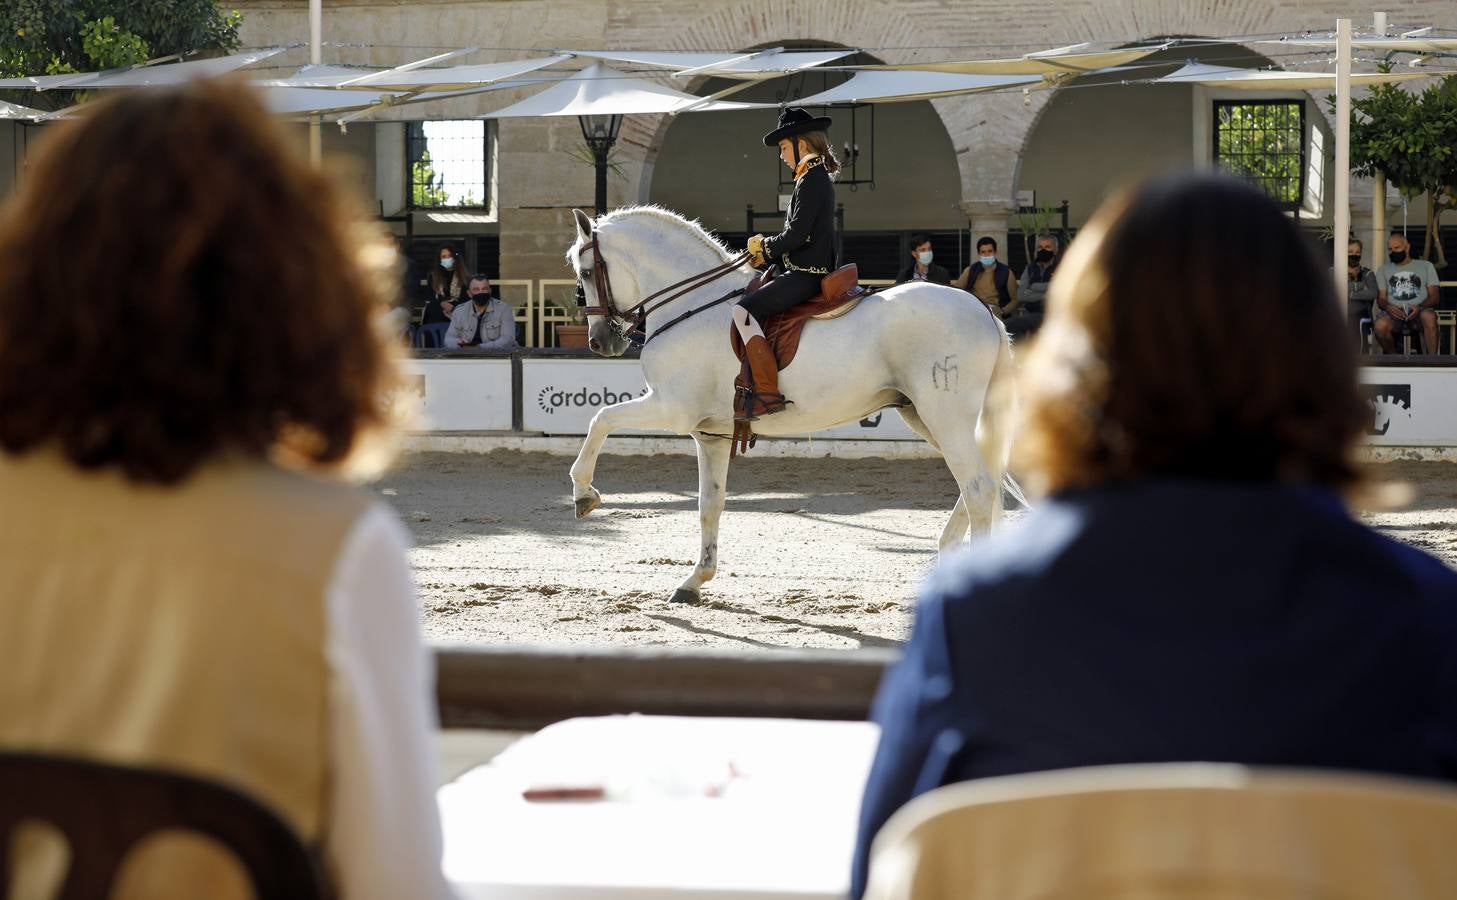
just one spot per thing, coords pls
(383, 834)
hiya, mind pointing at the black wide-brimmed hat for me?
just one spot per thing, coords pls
(792, 121)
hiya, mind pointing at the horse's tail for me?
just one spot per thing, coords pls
(998, 412)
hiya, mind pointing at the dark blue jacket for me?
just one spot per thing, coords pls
(1172, 621)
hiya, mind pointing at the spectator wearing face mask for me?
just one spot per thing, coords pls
(921, 267)
(1032, 287)
(990, 280)
(1361, 290)
(1407, 294)
(447, 286)
(484, 323)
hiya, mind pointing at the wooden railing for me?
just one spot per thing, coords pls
(524, 688)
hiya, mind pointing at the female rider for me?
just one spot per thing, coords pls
(804, 251)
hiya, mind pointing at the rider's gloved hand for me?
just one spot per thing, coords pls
(756, 250)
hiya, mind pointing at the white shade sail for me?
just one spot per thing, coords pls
(892, 87)
(322, 76)
(1420, 45)
(1264, 79)
(144, 76)
(1064, 60)
(750, 65)
(308, 101)
(451, 78)
(48, 82)
(13, 112)
(598, 91)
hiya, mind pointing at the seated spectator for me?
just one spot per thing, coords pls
(990, 280)
(1361, 292)
(485, 323)
(1192, 586)
(447, 287)
(922, 268)
(1032, 288)
(185, 581)
(1407, 294)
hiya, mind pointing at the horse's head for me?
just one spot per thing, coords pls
(606, 330)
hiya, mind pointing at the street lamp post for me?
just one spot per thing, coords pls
(600, 133)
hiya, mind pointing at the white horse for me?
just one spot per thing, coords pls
(929, 350)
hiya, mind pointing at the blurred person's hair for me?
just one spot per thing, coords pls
(986, 242)
(918, 239)
(229, 305)
(1049, 236)
(1191, 333)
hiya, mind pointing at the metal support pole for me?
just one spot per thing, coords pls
(1378, 190)
(601, 155)
(316, 57)
(1342, 199)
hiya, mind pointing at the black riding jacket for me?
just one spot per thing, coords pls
(807, 243)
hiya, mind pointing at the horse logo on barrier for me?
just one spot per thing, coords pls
(1389, 403)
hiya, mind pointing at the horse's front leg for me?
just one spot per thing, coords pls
(644, 412)
(713, 465)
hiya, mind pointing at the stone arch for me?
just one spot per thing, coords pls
(709, 166)
(756, 24)
(1145, 129)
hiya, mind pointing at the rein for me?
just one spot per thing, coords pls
(695, 311)
(639, 312)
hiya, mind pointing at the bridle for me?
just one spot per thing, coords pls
(637, 314)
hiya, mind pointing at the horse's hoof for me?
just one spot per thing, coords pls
(588, 503)
(683, 595)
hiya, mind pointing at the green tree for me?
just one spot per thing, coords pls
(427, 188)
(40, 37)
(1412, 138)
(1264, 144)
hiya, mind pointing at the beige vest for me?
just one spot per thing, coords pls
(180, 628)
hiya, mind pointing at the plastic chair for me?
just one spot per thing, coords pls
(1174, 832)
(104, 811)
(431, 336)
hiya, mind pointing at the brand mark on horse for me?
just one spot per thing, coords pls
(945, 375)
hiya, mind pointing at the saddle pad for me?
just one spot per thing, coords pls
(783, 330)
(836, 312)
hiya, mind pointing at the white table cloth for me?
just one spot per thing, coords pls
(758, 809)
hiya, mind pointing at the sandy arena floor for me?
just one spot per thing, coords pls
(500, 558)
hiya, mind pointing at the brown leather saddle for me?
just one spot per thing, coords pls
(839, 292)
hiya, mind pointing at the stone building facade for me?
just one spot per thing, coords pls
(953, 163)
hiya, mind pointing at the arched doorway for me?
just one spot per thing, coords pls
(710, 166)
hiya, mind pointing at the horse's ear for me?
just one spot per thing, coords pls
(584, 225)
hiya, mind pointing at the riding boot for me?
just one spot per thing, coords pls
(763, 397)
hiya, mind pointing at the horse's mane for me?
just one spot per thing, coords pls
(692, 226)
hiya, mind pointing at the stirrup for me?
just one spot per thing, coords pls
(750, 404)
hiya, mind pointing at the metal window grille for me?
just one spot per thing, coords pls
(449, 164)
(1263, 141)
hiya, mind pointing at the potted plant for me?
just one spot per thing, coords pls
(573, 336)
